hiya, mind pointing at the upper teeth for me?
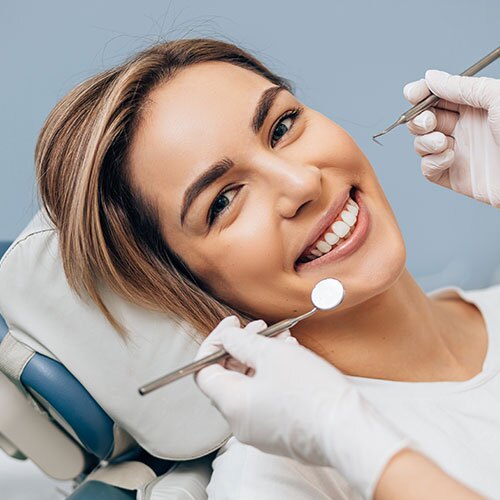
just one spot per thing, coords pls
(338, 231)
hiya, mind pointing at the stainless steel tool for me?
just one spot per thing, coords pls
(432, 99)
(326, 294)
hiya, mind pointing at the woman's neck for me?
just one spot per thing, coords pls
(400, 334)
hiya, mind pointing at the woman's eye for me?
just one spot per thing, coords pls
(220, 205)
(285, 124)
(223, 203)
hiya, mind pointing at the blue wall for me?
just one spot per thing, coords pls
(349, 60)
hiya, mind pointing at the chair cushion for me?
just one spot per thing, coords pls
(58, 388)
(176, 422)
(3, 246)
(94, 490)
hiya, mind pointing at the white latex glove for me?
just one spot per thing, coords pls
(459, 139)
(296, 404)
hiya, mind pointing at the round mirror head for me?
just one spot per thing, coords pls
(327, 294)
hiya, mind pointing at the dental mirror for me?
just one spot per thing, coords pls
(326, 294)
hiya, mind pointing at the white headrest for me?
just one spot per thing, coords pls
(176, 422)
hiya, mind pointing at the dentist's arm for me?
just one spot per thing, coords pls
(459, 139)
(283, 399)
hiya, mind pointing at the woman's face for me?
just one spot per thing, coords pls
(284, 176)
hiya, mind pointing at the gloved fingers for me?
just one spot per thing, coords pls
(222, 386)
(446, 120)
(435, 142)
(255, 326)
(478, 92)
(494, 119)
(246, 347)
(259, 325)
(435, 167)
(414, 92)
(204, 376)
(233, 364)
(212, 342)
(236, 365)
(423, 123)
(433, 119)
(227, 321)
(283, 335)
(447, 106)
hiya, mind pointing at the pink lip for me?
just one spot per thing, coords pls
(325, 221)
(350, 245)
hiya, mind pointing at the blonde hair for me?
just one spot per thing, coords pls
(108, 231)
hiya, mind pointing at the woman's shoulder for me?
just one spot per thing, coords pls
(449, 291)
(242, 472)
(487, 298)
(489, 293)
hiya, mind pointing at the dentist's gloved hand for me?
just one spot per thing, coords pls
(459, 139)
(293, 403)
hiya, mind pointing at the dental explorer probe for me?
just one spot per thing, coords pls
(326, 294)
(432, 99)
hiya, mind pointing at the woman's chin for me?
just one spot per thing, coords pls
(376, 275)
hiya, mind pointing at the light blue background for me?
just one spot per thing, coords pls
(348, 59)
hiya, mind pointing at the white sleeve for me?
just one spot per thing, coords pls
(242, 472)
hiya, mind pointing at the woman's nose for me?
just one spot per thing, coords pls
(295, 185)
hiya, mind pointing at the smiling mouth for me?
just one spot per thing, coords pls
(336, 233)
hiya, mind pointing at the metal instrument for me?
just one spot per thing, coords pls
(326, 294)
(432, 99)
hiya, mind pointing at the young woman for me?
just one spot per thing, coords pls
(191, 180)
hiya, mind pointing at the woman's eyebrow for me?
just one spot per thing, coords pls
(221, 167)
(265, 103)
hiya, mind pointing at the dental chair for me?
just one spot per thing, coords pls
(65, 433)
(68, 385)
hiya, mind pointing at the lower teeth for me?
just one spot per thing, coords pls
(309, 258)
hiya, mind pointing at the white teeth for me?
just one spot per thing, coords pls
(323, 246)
(351, 208)
(348, 218)
(331, 238)
(340, 228)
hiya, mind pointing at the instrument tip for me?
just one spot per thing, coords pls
(388, 129)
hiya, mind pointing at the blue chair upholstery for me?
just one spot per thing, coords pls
(94, 490)
(68, 397)
(94, 428)
(3, 328)
(3, 247)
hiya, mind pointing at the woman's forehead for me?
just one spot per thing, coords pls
(209, 98)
